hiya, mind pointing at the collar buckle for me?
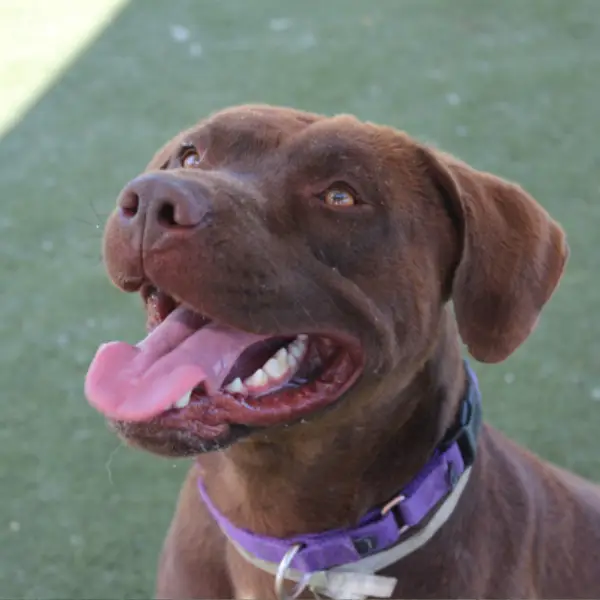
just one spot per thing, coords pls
(399, 499)
(390, 506)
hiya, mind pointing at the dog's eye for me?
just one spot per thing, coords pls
(190, 158)
(338, 197)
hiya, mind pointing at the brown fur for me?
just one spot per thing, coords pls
(269, 257)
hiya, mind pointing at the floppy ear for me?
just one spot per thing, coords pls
(513, 256)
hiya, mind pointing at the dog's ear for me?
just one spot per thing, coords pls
(513, 255)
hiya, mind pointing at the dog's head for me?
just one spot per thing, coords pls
(288, 262)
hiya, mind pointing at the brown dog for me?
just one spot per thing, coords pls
(328, 250)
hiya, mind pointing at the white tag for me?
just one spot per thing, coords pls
(342, 585)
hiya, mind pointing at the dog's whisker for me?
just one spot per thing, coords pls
(100, 217)
(108, 464)
(86, 222)
(305, 311)
(96, 231)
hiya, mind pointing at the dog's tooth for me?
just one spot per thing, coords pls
(292, 361)
(297, 349)
(281, 356)
(236, 386)
(257, 379)
(275, 368)
(184, 400)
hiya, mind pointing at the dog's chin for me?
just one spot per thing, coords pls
(173, 443)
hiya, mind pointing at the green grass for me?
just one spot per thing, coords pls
(510, 86)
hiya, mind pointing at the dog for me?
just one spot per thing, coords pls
(309, 282)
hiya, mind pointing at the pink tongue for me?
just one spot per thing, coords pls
(136, 383)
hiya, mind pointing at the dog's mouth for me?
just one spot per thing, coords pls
(191, 373)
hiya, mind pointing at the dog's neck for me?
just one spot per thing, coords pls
(326, 474)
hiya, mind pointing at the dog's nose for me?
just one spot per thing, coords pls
(160, 203)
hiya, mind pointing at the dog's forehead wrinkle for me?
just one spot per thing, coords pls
(250, 133)
(343, 149)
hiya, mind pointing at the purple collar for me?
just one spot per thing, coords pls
(381, 527)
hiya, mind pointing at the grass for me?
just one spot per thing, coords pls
(511, 87)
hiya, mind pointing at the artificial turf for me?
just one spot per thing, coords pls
(512, 87)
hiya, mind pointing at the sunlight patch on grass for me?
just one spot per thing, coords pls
(38, 40)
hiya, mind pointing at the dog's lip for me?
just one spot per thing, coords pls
(213, 419)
